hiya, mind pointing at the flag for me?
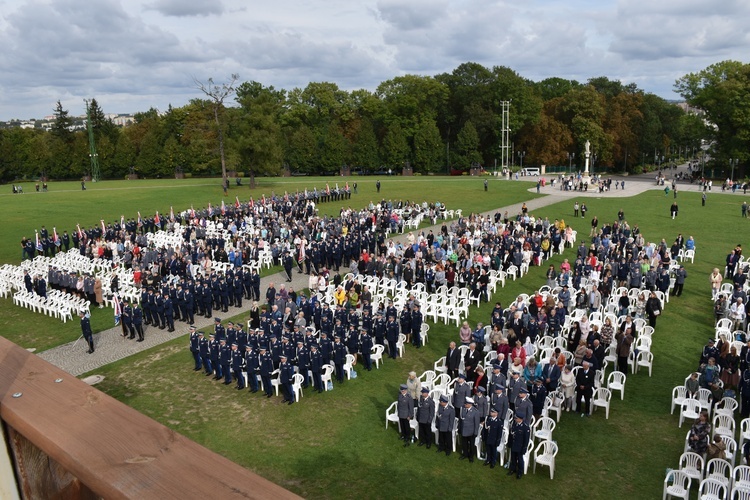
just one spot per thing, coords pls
(252, 203)
(118, 309)
(264, 200)
(347, 186)
(302, 252)
(223, 208)
(55, 237)
(328, 189)
(104, 227)
(140, 220)
(192, 212)
(80, 233)
(286, 196)
(122, 222)
(210, 210)
(237, 202)
(171, 213)
(38, 243)
(157, 220)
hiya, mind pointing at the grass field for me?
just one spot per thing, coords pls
(65, 205)
(335, 445)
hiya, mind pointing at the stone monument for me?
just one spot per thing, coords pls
(585, 177)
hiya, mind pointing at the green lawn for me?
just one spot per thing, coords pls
(65, 205)
(335, 445)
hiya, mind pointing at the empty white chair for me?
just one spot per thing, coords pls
(726, 406)
(689, 410)
(439, 366)
(391, 415)
(711, 489)
(730, 450)
(741, 477)
(297, 380)
(720, 470)
(692, 465)
(349, 366)
(377, 354)
(550, 406)
(543, 429)
(705, 399)
(723, 425)
(739, 493)
(326, 376)
(645, 359)
(602, 398)
(744, 429)
(616, 382)
(545, 454)
(679, 487)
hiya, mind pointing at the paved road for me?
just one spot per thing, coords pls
(111, 346)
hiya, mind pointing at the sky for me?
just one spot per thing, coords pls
(136, 54)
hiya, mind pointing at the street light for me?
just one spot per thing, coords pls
(593, 162)
(521, 154)
(570, 161)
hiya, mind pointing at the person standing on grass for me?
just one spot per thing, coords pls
(653, 309)
(88, 335)
(679, 275)
(405, 412)
(425, 416)
(520, 433)
(673, 210)
(703, 199)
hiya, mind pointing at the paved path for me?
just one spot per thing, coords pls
(111, 346)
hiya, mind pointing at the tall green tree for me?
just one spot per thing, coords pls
(467, 146)
(428, 147)
(395, 148)
(62, 124)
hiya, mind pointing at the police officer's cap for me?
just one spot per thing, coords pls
(462, 375)
(200, 334)
(481, 389)
(234, 344)
(524, 390)
(229, 323)
(223, 341)
(469, 401)
(217, 320)
(212, 335)
(521, 414)
(192, 327)
(403, 387)
(283, 356)
(493, 410)
(443, 398)
(425, 390)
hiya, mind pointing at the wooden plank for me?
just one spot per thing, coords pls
(114, 450)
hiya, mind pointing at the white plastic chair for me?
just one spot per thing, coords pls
(543, 429)
(439, 366)
(349, 366)
(711, 489)
(391, 414)
(720, 470)
(679, 395)
(726, 406)
(377, 354)
(730, 448)
(723, 425)
(297, 380)
(545, 454)
(741, 477)
(689, 410)
(740, 493)
(602, 399)
(326, 376)
(616, 382)
(645, 359)
(705, 399)
(680, 487)
(692, 465)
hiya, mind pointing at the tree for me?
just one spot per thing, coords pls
(365, 146)
(62, 124)
(395, 147)
(428, 147)
(301, 149)
(217, 93)
(257, 136)
(467, 144)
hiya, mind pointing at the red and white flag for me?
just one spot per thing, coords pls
(55, 237)
(171, 213)
(223, 208)
(104, 227)
(157, 220)
(237, 202)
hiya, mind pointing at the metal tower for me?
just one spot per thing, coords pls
(505, 136)
(95, 174)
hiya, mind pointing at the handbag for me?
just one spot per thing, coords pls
(657, 312)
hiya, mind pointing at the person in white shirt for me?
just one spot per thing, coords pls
(737, 314)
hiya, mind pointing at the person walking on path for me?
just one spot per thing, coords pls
(88, 335)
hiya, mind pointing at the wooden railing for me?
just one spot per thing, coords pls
(69, 440)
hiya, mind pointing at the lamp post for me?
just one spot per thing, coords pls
(733, 163)
(521, 154)
(570, 161)
(593, 163)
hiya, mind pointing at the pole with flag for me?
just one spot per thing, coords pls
(210, 210)
(171, 213)
(263, 202)
(122, 222)
(192, 212)
(237, 204)
(157, 220)
(55, 237)
(80, 233)
(118, 309)
(223, 208)
(252, 202)
(104, 227)
(140, 220)
(38, 243)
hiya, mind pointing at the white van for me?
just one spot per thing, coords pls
(530, 171)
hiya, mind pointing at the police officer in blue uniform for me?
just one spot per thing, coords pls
(225, 359)
(138, 321)
(238, 362)
(195, 348)
(492, 435)
(205, 353)
(425, 416)
(214, 347)
(405, 413)
(88, 335)
(265, 370)
(445, 421)
(518, 441)
(339, 358)
(286, 374)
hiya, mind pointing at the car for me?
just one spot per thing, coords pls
(531, 171)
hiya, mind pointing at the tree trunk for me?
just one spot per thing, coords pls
(221, 145)
(252, 178)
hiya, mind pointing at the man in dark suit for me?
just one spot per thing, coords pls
(472, 358)
(452, 360)
(584, 387)
(551, 375)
